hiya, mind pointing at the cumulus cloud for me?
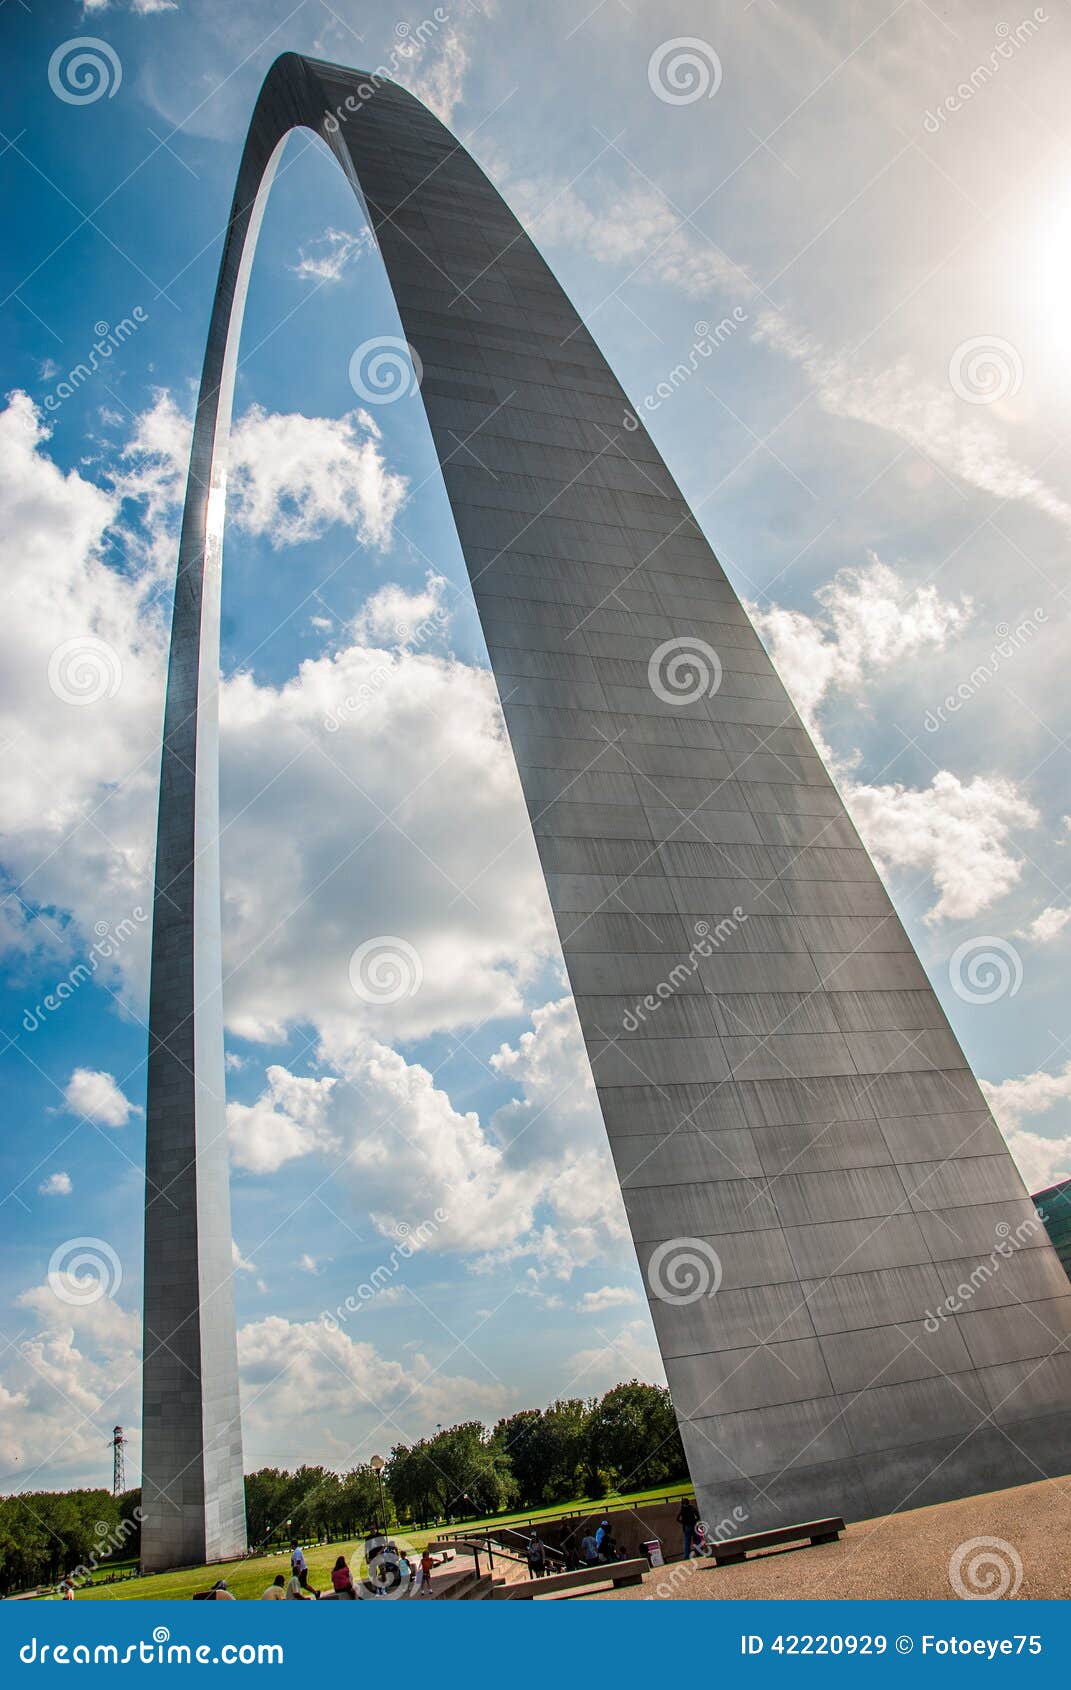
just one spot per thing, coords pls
(959, 832)
(288, 1120)
(1043, 1158)
(56, 1185)
(353, 1399)
(607, 1297)
(1046, 926)
(74, 1373)
(95, 1095)
(392, 615)
(535, 1185)
(871, 620)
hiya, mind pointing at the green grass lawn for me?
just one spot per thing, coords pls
(248, 1579)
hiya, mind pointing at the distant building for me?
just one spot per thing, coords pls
(1054, 1207)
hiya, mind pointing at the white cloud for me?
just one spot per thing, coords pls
(412, 820)
(94, 1094)
(287, 1121)
(871, 620)
(1013, 1101)
(440, 80)
(927, 417)
(607, 1297)
(309, 1264)
(1046, 926)
(1043, 1158)
(392, 616)
(352, 1400)
(536, 1185)
(960, 833)
(330, 255)
(629, 1353)
(632, 226)
(291, 477)
(56, 1185)
(65, 1384)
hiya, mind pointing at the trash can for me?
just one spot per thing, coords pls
(653, 1551)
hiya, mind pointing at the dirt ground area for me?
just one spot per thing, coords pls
(926, 1553)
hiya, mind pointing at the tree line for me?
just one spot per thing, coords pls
(624, 1441)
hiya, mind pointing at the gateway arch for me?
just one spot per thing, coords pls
(856, 1306)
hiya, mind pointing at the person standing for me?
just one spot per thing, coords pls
(688, 1520)
(536, 1556)
(427, 1562)
(300, 1568)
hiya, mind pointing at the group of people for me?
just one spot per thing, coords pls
(391, 1571)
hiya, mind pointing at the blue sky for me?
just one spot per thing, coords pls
(834, 284)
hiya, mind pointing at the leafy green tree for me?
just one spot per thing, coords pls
(633, 1436)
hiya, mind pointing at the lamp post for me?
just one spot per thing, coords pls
(377, 1465)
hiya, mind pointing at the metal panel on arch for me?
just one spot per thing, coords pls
(793, 1119)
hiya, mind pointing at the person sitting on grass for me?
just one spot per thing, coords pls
(342, 1581)
(276, 1591)
(294, 1592)
(218, 1593)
